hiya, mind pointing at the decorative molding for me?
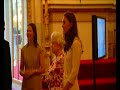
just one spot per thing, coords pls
(81, 2)
(84, 16)
(81, 6)
(29, 11)
(55, 10)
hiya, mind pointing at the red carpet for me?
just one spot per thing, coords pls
(105, 74)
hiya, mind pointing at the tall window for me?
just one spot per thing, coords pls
(15, 17)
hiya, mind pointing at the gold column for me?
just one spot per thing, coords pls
(46, 19)
(47, 37)
(38, 9)
(29, 11)
(46, 23)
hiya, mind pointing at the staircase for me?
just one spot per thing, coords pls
(105, 74)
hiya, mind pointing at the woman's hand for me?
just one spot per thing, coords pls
(26, 73)
(22, 72)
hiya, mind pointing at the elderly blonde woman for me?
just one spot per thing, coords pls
(55, 73)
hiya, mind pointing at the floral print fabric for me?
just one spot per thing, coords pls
(54, 75)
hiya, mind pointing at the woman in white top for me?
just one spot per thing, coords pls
(73, 51)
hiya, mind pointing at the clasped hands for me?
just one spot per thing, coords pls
(27, 73)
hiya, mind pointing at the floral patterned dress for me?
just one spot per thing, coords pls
(54, 75)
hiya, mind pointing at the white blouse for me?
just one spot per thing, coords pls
(72, 64)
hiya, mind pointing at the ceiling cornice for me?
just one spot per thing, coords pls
(81, 7)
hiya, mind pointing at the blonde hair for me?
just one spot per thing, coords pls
(57, 37)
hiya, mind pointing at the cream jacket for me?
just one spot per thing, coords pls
(72, 64)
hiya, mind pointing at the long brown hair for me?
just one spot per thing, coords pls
(35, 33)
(72, 33)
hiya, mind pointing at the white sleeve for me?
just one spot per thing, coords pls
(76, 55)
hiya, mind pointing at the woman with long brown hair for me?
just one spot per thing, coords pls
(32, 61)
(73, 51)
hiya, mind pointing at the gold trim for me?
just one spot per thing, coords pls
(29, 11)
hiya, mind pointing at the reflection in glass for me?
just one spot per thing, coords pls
(18, 29)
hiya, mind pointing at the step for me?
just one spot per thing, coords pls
(99, 81)
(103, 68)
(101, 84)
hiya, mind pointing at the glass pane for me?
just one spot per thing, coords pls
(20, 30)
(17, 28)
(15, 38)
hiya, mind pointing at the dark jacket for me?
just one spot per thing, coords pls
(6, 69)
